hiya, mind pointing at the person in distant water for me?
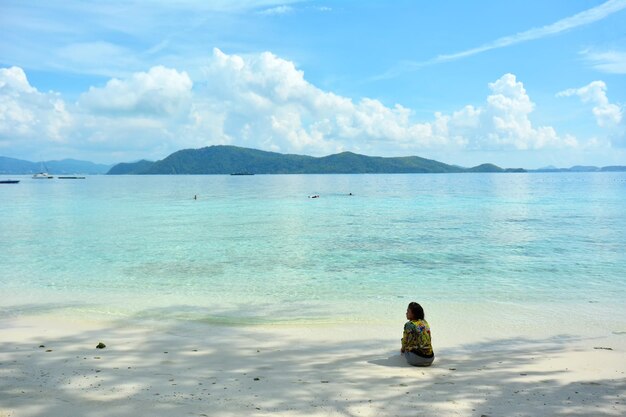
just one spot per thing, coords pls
(195, 197)
(416, 340)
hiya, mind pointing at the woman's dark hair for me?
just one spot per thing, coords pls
(417, 310)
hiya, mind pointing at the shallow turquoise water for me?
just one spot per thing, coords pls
(257, 249)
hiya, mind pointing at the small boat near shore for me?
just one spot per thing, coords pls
(242, 173)
(9, 181)
(72, 178)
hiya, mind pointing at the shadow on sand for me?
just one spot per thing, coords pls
(197, 369)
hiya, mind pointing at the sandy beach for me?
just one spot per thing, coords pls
(50, 366)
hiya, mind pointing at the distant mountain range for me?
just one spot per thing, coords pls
(582, 168)
(223, 159)
(14, 166)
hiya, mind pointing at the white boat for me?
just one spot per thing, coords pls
(42, 176)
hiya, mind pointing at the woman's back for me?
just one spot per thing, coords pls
(416, 339)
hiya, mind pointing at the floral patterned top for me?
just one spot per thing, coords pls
(416, 338)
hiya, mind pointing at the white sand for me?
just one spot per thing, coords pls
(334, 370)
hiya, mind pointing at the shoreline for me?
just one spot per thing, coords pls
(176, 368)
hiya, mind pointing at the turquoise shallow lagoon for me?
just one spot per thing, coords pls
(256, 249)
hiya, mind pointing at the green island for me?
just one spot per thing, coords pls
(224, 159)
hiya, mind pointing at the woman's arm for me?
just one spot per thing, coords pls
(404, 339)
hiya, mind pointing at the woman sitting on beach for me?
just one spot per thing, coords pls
(416, 344)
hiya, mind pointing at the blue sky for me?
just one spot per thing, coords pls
(516, 83)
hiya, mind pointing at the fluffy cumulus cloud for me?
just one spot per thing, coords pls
(265, 102)
(507, 123)
(142, 116)
(159, 92)
(607, 114)
(267, 99)
(281, 109)
(27, 115)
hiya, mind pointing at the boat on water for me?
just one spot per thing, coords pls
(242, 173)
(9, 181)
(72, 178)
(42, 176)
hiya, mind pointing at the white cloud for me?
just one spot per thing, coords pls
(606, 114)
(612, 62)
(27, 114)
(278, 10)
(285, 9)
(145, 115)
(506, 120)
(265, 102)
(276, 102)
(282, 108)
(115, 38)
(580, 19)
(13, 81)
(159, 92)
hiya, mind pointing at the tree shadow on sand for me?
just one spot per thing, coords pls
(179, 369)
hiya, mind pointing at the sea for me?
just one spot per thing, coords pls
(225, 250)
